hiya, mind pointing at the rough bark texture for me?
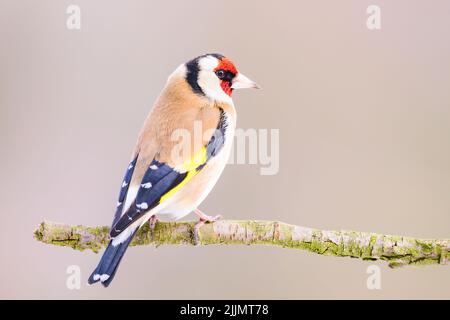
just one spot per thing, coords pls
(396, 250)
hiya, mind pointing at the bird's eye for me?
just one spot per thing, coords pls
(220, 74)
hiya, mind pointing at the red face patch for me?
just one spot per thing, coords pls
(226, 87)
(228, 67)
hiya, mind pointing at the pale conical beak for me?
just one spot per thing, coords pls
(242, 82)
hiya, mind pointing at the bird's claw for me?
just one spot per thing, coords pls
(203, 218)
(152, 224)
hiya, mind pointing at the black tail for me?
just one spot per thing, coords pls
(109, 262)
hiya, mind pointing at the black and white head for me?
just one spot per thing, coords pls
(215, 77)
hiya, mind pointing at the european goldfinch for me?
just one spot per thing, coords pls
(161, 180)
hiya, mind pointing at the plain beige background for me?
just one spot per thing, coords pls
(364, 119)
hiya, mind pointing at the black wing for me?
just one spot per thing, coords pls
(158, 180)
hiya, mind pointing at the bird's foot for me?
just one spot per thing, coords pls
(203, 218)
(152, 223)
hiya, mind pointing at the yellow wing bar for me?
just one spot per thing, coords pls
(190, 166)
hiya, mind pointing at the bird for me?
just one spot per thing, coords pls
(181, 151)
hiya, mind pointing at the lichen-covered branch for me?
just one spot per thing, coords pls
(396, 250)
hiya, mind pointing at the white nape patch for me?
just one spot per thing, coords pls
(142, 205)
(104, 277)
(147, 185)
(96, 277)
(180, 71)
(153, 167)
(208, 81)
(124, 184)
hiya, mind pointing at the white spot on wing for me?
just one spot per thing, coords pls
(142, 205)
(124, 184)
(118, 204)
(104, 277)
(130, 167)
(124, 235)
(147, 185)
(153, 167)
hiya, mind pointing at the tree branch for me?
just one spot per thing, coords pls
(396, 250)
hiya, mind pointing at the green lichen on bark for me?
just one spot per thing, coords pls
(396, 250)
